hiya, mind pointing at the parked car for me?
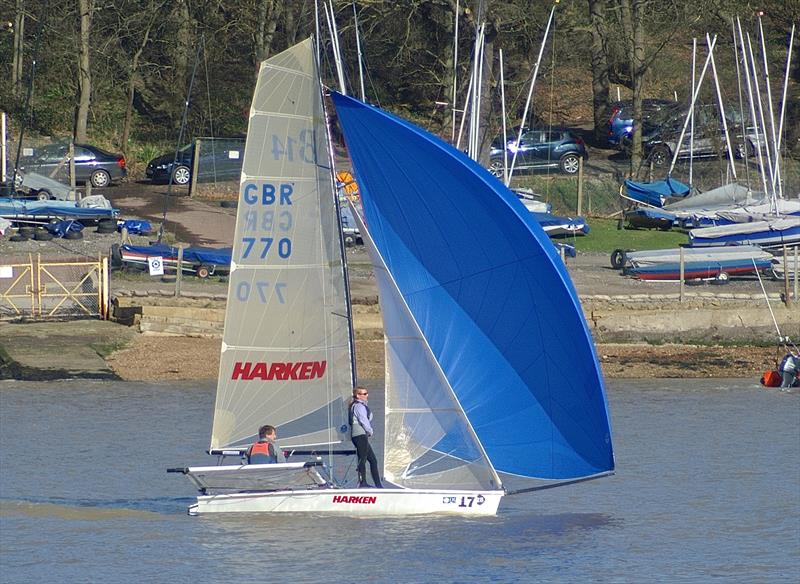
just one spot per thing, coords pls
(621, 123)
(660, 141)
(540, 148)
(92, 164)
(220, 160)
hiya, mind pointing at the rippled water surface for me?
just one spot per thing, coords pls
(707, 489)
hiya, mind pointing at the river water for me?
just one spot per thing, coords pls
(707, 489)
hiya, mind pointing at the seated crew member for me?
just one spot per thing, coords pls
(266, 450)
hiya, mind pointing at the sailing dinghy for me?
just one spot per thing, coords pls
(491, 375)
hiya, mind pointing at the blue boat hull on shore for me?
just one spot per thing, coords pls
(703, 270)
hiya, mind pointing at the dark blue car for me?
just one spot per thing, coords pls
(540, 148)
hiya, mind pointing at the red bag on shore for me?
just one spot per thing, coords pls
(771, 379)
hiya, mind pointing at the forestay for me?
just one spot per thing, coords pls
(286, 352)
(490, 298)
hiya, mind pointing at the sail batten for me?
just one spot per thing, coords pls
(490, 296)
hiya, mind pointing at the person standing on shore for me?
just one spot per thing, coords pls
(360, 433)
(788, 369)
(266, 450)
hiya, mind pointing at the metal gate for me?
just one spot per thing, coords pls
(54, 289)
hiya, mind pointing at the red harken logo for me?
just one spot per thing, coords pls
(355, 499)
(278, 371)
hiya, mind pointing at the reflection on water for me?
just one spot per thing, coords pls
(707, 488)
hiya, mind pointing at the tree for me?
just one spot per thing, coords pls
(85, 9)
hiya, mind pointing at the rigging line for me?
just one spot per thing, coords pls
(552, 101)
(560, 484)
(29, 94)
(168, 194)
(210, 113)
(766, 298)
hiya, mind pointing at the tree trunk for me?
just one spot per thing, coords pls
(183, 51)
(84, 72)
(599, 56)
(267, 22)
(19, 44)
(485, 132)
(132, 76)
(637, 74)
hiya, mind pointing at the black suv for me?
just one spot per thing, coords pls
(220, 160)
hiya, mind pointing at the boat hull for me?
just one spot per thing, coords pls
(354, 502)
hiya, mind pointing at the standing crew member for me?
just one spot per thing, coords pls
(360, 432)
(788, 369)
(266, 450)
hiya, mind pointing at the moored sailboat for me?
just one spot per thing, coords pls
(492, 378)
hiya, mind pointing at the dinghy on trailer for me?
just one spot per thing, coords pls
(479, 330)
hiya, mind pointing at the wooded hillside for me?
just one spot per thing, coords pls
(117, 72)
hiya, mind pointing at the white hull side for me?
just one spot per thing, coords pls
(354, 502)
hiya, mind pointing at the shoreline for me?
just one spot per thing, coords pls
(157, 358)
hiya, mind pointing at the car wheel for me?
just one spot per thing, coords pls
(721, 279)
(100, 179)
(745, 148)
(42, 235)
(116, 256)
(570, 163)
(181, 175)
(73, 235)
(660, 155)
(349, 240)
(496, 168)
(43, 195)
(617, 259)
(203, 272)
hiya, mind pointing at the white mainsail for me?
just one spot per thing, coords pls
(286, 351)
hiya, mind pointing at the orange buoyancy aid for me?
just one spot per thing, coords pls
(259, 453)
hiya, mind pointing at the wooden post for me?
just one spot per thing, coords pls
(179, 273)
(195, 166)
(680, 293)
(72, 166)
(123, 236)
(3, 148)
(562, 254)
(580, 185)
(103, 279)
(796, 273)
(787, 299)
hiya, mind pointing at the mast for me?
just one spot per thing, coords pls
(455, 76)
(746, 66)
(695, 92)
(530, 92)
(358, 50)
(721, 109)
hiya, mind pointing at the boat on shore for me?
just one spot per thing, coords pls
(706, 263)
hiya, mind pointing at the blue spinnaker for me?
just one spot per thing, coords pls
(490, 295)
